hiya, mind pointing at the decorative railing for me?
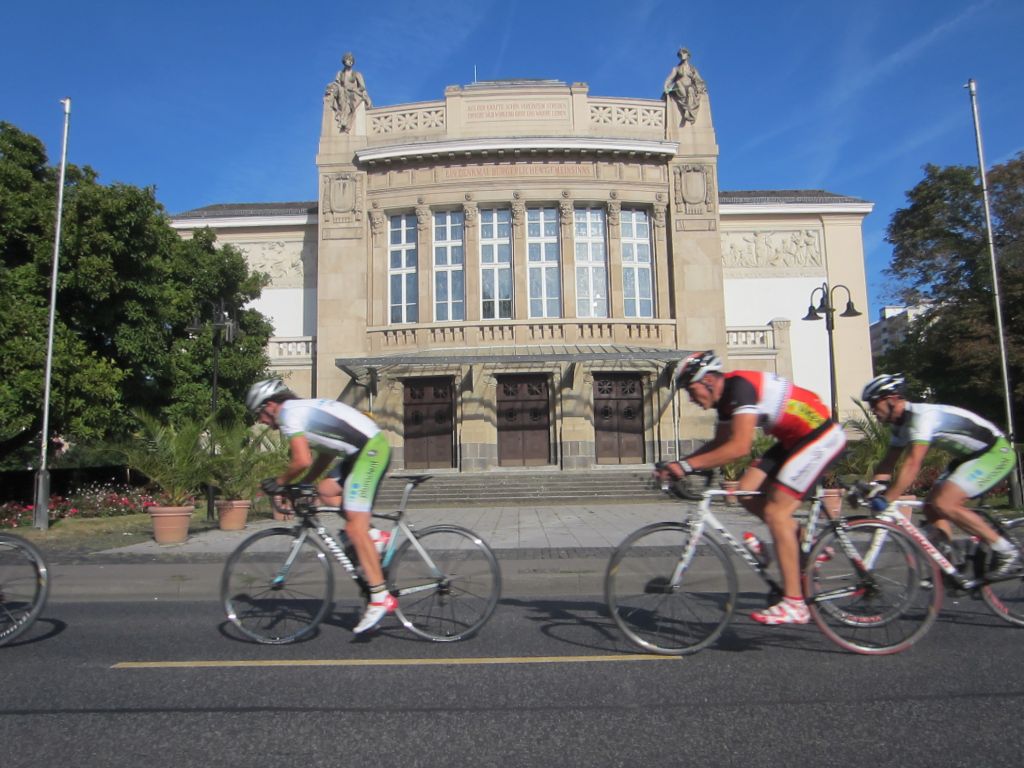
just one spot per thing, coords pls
(291, 350)
(648, 332)
(622, 113)
(751, 337)
(405, 120)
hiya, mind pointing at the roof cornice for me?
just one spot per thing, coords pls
(528, 145)
(228, 222)
(765, 209)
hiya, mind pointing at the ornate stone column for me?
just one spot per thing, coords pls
(378, 266)
(567, 249)
(616, 306)
(471, 256)
(425, 262)
(520, 269)
(662, 292)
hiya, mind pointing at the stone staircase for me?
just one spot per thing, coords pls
(508, 488)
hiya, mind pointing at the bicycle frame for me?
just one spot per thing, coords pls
(309, 524)
(707, 519)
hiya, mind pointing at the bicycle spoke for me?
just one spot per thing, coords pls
(268, 602)
(24, 586)
(1005, 597)
(661, 616)
(883, 609)
(458, 603)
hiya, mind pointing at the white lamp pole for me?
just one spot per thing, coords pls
(1015, 477)
(41, 512)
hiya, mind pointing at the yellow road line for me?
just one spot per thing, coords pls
(387, 662)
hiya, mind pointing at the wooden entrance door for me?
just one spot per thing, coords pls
(618, 418)
(524, 421)
(429, 411)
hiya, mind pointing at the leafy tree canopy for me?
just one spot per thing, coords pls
(128, 289)
(941, 256)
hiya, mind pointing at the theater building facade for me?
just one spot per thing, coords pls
(506, 276)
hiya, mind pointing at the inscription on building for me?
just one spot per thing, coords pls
(489, 111)
(516, 169)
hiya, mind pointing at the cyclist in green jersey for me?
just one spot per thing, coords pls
(982, 458)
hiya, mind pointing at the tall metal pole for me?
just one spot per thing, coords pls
(1015, 477)
(41, 512)
(830, 327)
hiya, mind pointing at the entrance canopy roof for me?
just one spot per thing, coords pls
(366, 370)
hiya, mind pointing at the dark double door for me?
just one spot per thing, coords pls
(429, 406)
(618, 418)
(524, 421)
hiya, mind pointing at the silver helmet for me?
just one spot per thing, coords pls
(694, 367)
(262, 391)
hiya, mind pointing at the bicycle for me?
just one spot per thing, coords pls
(1004, 596)
(24, 586)
(671, 587)
(278, 584)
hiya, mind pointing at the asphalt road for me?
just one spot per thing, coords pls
(548, 682)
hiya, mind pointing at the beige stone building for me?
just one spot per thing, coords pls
(504, 277)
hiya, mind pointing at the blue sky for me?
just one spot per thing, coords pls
(218, 102)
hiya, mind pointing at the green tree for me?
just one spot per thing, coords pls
(941, 257)
(128, 288)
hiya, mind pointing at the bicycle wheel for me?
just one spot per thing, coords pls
(273, 593)
(657, 615)
(886, 610)
(24, 585)
(453, 595)
(1005, 598)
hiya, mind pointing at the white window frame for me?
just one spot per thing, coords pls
(403, 257)
(493, 270)
(637, 263)
(543, 257)
(449, 263)
(590, 237)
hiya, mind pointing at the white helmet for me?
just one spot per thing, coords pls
(262, 391)
(883, 386)
(694, 367)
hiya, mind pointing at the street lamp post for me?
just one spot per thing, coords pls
(827, 308)
(41, 507)
(1017, 476)
(224, 329)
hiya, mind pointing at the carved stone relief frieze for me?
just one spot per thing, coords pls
(767, 252)
(286, 261)
(471, 213)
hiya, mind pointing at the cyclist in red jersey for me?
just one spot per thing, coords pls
(808, 442)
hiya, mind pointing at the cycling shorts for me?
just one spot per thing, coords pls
(798, 468)
(980, 473)
(362, 473)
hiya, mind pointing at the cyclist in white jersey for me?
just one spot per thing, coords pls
(333, 431)
(982, 458)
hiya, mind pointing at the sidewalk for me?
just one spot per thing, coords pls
(543, 550)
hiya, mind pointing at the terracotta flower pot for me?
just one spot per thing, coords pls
(730, 485)
(833, 501)
(170, 524)
(232, 513)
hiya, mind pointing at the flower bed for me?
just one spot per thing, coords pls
(90, 501)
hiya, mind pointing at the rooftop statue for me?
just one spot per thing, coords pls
(346, 92)
(685, 87)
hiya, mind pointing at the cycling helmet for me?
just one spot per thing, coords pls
(693, 367)
(262, 391)
(883, 386)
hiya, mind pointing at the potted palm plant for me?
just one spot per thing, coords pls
(172, 458)
(239, 457)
